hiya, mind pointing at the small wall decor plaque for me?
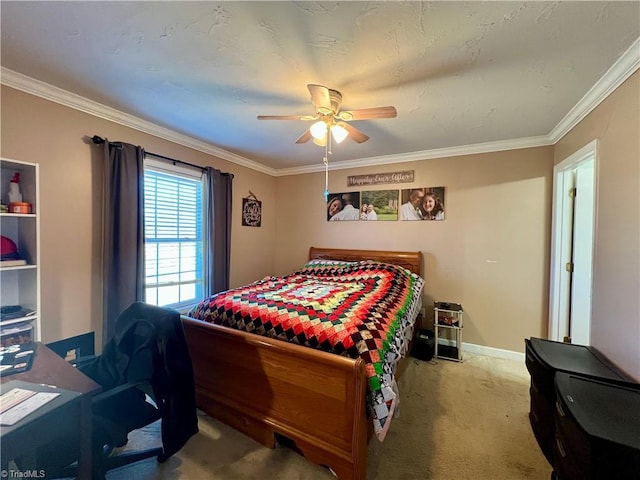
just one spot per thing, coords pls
(251, 211)
(380, 178)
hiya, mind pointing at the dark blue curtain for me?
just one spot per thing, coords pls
(218, 242)
(123, 230)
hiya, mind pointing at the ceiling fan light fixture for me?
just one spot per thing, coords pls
(321, 142)
(318, 130)
(339, 132)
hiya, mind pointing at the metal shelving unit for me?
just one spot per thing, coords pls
(448, 316)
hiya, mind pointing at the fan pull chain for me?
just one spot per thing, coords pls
(325, 160)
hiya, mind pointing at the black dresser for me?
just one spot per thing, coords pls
(597, 430)
(544, 358)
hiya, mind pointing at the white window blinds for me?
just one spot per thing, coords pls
(173, 221)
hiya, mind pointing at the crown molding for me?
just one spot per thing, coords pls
(624, 67)
(514, 144)
(68, 99)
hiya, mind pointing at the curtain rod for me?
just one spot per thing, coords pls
(99, 140)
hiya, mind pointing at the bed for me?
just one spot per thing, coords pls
(268, 388)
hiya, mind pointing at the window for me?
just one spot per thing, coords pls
(173, 231)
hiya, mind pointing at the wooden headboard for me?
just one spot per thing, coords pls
(412, 261)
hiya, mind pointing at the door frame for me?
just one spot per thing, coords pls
(561, 226)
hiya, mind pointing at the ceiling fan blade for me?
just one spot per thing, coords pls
(305, 137)
(367, 113)
(287, 117)
(355, 134)
(320, 97)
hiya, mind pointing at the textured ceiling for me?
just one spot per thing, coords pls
(459, 73)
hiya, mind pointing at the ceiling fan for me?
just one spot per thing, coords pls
(329, 118)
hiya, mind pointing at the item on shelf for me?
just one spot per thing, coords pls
(19, 207)
(12, 263)
(16, 334)
(448, 313)
(444, 318)
(4, 208)
(9, 255)
(10, 312)
(16, 205)
(14, 190)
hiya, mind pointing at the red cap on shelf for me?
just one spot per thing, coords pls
(8, 248)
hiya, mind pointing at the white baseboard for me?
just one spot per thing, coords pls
(487, 351)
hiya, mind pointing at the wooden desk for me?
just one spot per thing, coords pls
(50, 369)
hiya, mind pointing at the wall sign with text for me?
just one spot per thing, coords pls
(380, 178)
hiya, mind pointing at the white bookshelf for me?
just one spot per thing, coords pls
(20, 285)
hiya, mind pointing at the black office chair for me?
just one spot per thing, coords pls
(146, 374)
(76, 350)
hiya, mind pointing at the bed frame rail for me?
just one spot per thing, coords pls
(261, 386)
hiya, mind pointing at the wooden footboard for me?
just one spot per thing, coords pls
(261, 386)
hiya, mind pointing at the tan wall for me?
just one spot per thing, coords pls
(616, 279)
(491, 253)
(36, 130)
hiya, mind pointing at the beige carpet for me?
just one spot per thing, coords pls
(457, 421)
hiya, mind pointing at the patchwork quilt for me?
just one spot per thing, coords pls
(364, 309)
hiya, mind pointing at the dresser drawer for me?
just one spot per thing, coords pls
(541, 375)
(541, 417)
(615, 462)
(564, 463)
(541, 404)
(544, 434)
(572, 436)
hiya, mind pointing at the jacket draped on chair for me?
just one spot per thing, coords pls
(149, 345)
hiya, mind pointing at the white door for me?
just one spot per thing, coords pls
(583, 223)
(573, 227)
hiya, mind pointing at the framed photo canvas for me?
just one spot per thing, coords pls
(425, 203)
(379, 205)
(343, 206)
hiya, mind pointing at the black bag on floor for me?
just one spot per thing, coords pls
(424, 345)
